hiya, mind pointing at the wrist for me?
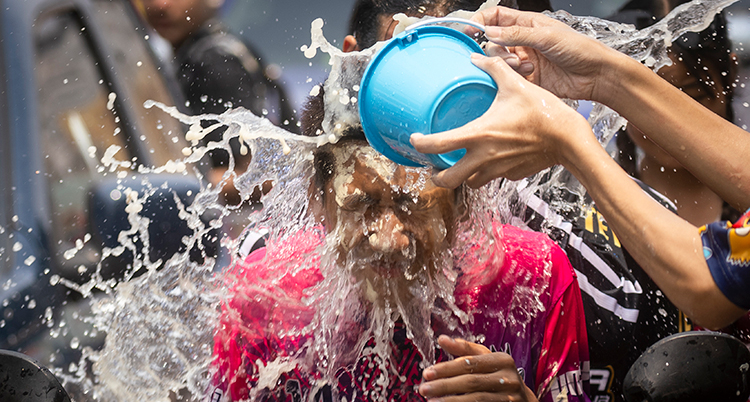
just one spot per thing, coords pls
(616, 71)
(575, 140)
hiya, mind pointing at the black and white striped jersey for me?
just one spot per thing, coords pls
(625, 310)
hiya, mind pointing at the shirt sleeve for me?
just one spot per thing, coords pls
(726, 248)
(563, 370)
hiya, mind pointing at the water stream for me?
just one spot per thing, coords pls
(160, 326)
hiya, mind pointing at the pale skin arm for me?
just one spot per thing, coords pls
(528, 129)
(574, 66)
(666, 246)
(475, 374)
(713, 149)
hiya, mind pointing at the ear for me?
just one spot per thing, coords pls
(350, 44)
(317, 204)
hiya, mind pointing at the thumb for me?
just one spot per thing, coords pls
(460, 137)
(442, 142)
(498, 69)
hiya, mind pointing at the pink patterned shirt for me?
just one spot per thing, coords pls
(547, 341)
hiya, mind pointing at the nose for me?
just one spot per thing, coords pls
(387, 233)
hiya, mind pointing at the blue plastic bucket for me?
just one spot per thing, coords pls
(422, 81)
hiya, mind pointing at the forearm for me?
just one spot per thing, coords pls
(713, 149)
(667, 247)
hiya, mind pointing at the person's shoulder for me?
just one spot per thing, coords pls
(214, 43)
(516, 240)
(257, 247)
(535, 251)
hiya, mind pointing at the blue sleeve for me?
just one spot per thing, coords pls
(726, 248)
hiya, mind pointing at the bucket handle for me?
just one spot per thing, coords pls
(446, 20)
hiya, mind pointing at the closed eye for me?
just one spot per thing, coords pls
(357, 202)
(407, 202)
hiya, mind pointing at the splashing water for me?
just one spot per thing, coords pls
(161, 325)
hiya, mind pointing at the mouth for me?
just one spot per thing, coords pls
(386, 265)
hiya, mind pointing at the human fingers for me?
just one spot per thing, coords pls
(502, 72)
(494, 373)
(471, 364)
(510, 167)
(461, 347)
(446, 141)
(539, 38)
(477, 387)
(460, 171)
(522, 66)
(493, 16)
(504, 16)
(461, 137)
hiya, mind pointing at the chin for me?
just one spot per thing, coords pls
(388, 265)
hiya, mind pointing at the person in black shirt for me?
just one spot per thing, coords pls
(217, 71)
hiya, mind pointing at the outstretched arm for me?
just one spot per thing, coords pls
(528, 128)
(712, 148)
(667, 247)
(572, 65)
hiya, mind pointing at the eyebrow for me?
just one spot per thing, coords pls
(363, 198)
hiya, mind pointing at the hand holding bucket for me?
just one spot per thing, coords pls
(423, 81)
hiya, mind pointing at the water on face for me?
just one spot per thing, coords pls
(160, 326)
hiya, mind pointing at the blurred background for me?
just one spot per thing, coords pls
(278, 28)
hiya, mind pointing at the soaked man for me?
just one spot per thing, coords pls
(400, 291)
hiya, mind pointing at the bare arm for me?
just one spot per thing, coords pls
(528, 128)
(667, 247)
(713, 149)
(571, 65)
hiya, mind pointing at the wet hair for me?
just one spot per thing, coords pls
(313, 113)
(365, 23)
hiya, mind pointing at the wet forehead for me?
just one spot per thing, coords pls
(359, 165)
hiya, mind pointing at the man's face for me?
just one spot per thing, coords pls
(174, 20)
(386, 217)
